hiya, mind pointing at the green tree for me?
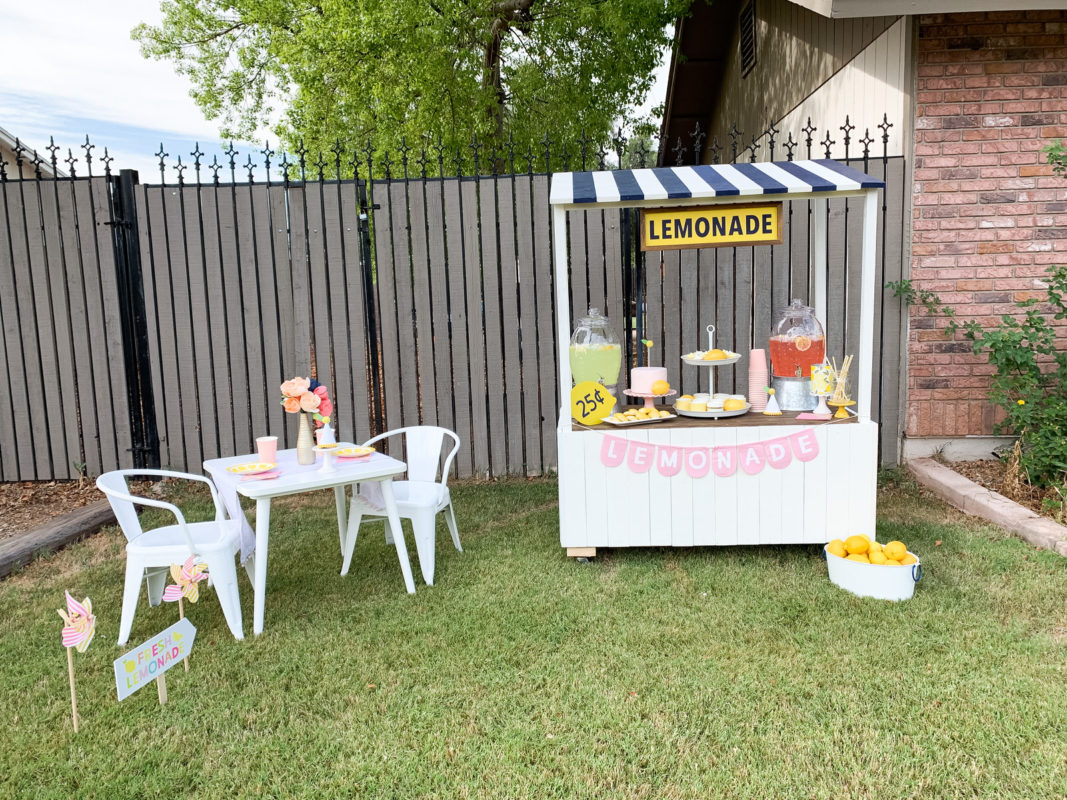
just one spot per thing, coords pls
(383, 71)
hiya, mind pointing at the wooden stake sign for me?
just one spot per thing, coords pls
(152, 659)
(78, 632)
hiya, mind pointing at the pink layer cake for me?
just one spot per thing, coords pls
(642, 378)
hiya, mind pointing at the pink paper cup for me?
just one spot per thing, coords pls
(267, 448)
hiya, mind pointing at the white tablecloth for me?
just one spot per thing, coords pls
(228, 483)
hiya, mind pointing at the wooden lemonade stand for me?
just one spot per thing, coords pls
(749, 479)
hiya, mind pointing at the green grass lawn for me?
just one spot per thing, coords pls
(737, 672)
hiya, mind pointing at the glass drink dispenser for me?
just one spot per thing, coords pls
(796, 344)
(595, 352)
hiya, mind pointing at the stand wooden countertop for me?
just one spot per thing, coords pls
(752, 419)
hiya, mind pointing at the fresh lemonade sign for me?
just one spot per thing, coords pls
(711, 226)
(145, 663)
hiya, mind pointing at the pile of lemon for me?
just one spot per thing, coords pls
(865, 551)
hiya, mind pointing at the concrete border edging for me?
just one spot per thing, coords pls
(971, 498)
(56, 533)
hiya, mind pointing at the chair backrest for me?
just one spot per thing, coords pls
(113, 484)
(423, 444)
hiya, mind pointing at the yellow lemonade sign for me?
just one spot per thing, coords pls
(711, 226)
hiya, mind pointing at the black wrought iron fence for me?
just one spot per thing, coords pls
(151, 323)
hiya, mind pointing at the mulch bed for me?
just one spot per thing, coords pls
(24, 505)
(991, 473)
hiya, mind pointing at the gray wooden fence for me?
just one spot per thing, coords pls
(416, 301)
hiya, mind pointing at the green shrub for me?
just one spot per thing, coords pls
(1030, 382)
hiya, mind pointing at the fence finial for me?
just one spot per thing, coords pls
(88, 148)
(53, 148)
(885, 125)
(866, 141)
(698, 136)
(180, 169)
(790, 145)
(215, 166)
(70, 161)
(197, 154)
(809, 129)
(107, 163)
(735, 135)
(162, 163)
(618, 143)
(827, 142)
(848, 127)
(716, 151)
(267, 153)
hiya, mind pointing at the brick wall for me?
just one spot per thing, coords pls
(989, 215)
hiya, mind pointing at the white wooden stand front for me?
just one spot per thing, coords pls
(831, 496)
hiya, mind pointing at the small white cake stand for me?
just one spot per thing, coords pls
(650, 399)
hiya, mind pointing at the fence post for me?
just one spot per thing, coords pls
(370, 284)
(143, 432)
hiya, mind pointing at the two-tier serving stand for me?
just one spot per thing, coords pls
(721, 362)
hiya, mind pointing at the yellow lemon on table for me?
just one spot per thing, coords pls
(877, 557)
(836, 547)
(858, 557)
(733, 405)
(660, 387)
(857, 545)
(908, 559)
(872, 546)
(895, 550)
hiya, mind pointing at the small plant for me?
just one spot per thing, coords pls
(1056, 154)
(80, 468)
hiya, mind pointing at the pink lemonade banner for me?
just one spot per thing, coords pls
(751, 457)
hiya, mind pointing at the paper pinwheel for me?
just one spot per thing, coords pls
(80, 623)
(185, 579)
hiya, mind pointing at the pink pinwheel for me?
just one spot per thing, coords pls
(80, 624)
(185, 579)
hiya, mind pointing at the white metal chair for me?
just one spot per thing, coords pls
(153, 551)
(420, 498)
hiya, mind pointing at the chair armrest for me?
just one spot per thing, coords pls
(164, 473)
(147, 501)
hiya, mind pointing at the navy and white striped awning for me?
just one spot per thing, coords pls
(640, 186)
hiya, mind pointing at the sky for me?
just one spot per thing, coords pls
(71, 70)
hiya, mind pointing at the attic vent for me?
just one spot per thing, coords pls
(748, 37)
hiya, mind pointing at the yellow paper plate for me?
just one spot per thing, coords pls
(354, 452)
(250, 469)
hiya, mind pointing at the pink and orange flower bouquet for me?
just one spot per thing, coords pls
(307, 396)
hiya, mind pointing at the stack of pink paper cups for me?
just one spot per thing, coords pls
(757, 379)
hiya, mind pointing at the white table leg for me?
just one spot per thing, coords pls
(259, 588)
(342, 522)
(398, 533)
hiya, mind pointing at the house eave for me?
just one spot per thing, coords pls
(878, 8)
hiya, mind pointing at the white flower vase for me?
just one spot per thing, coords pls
(305, 442)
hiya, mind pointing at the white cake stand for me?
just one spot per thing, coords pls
(650, 399)
(722, 362)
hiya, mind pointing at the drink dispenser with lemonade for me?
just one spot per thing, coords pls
(595, 353)
(797, 343)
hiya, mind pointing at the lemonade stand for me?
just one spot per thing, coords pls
(721, 476)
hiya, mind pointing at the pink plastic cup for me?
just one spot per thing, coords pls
(267, 448)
